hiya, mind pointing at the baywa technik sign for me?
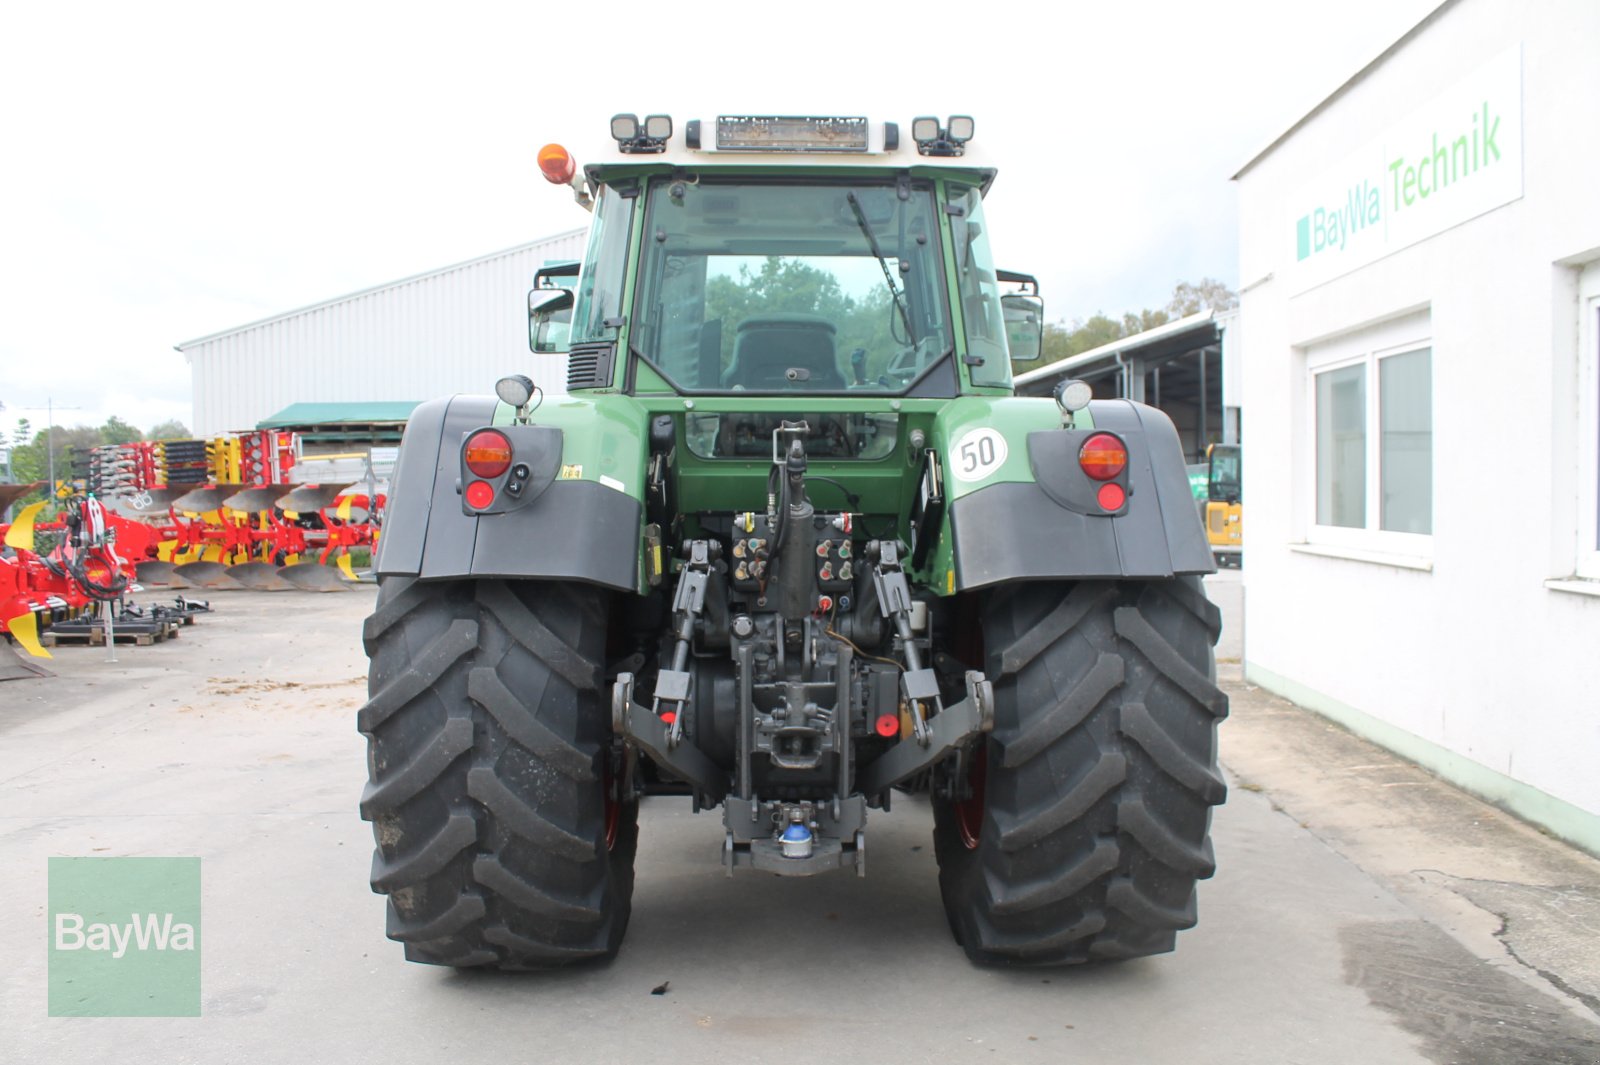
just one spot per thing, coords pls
(1452, 159)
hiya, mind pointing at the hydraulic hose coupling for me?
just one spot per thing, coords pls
(796, 839)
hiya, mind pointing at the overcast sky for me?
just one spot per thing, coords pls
(168, 171)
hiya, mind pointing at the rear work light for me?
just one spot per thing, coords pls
(1103, 456)
(488, 453)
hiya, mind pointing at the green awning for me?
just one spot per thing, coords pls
(296, 415)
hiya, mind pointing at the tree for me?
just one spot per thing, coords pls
(27, 453)
(171, 429)
(1062, 341)
(780, 286)
(1206, 293)
(72, 447)
(30, 461)
(790, 286)
(1133, 324)
(21, 458)
(117, 431)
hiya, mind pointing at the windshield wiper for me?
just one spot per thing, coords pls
(888, 277)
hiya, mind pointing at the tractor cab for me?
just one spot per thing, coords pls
(829, 256)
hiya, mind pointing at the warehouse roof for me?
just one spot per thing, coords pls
(185, 345)
(1152, 346)
(372, 413)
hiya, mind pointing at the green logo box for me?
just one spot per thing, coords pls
(124, 937)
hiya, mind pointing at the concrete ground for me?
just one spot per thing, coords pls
(1362, 910)
(1226, 589)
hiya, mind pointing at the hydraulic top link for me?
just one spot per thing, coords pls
(672, 685)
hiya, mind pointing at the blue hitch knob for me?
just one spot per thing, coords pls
(796, 841)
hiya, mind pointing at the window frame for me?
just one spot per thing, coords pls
(605, 257)
(935, 298)
(1368, 348)
(991, 369)
(1587, 563)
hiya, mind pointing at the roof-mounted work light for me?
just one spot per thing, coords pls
(624, 127)
(632, 139)
(949, 139)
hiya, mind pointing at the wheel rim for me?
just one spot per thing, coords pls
(969, 811)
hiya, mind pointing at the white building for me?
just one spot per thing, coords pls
(1420, 282)
(456, 329)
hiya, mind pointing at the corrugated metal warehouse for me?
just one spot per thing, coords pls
(456, 329)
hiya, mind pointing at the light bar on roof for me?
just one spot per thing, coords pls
(759, 133)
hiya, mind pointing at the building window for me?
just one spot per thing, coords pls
(1342, 447)
(1372, 437)
(1405, 442)
(1588, 561)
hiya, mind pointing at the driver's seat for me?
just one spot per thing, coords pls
(766, 348)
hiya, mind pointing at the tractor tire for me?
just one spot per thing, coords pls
(1089, 816)
(501, 842)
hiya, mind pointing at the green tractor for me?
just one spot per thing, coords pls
(788, 545)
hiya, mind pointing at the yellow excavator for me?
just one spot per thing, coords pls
(1222, 508)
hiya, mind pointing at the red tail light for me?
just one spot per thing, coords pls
(1103, 456)
(488, 453)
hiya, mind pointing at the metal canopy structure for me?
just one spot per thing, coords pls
(1175, 367)
(353, 424)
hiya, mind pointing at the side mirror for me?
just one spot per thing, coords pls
(549, 319)
(1024, 316)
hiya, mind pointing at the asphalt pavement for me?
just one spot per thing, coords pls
(1348, 921)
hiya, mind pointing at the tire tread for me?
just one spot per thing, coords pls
(485, 787)
(1102, 775)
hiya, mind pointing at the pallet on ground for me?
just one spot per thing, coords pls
(141, 634)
